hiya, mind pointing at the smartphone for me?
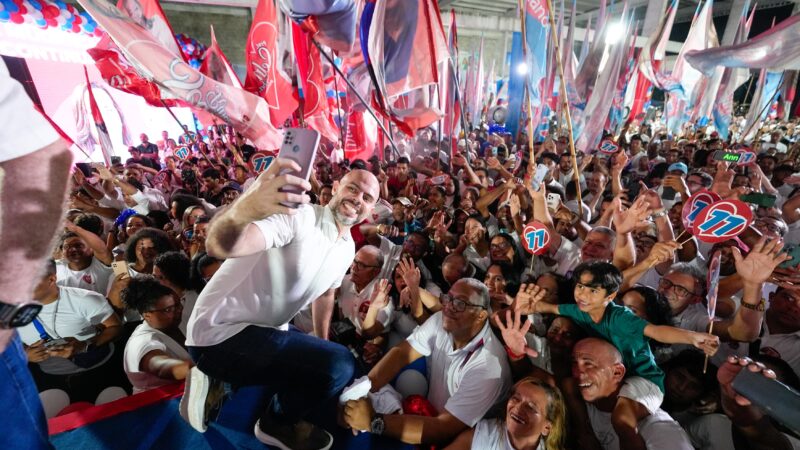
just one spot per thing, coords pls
(55, 343)
(538, 177)
(85, 168)
(438, 179)
(778, 400)
(794, 252)
(119, 267)
(668, 193)
(188, 234)
(553, 200)
(299, 145)
(760, 199)
(722, 155)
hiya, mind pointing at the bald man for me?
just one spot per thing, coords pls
(277, 260)
(598, 371)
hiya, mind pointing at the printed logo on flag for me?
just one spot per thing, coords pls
(537, 238)
(182, 152)
(161, 177)
(538, 10)
(608, 147)
(723, 220)
(261, 161)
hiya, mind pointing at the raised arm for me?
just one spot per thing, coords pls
(232, 233)
(101, 252)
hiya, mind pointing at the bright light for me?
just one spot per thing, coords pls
(616, 31)
(522, 68)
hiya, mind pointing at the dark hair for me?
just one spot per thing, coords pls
(64, 236)
(202, 219)
(549, 155)
(402, 160)
(706, 179)
(604, 275)
(176, 268)
(160, 240)
(158, 219)
(656, 305)
(50, 267)
(783, 168)
(358, 164)
(692, 361)
(135, 183)
(510, 274)
(145, 219)
(764, 156)
(571, 189)
(211, 173)
(90, 222)
(143, 293)
(184, 201)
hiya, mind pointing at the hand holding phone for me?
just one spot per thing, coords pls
(538, 176)
(119, 267)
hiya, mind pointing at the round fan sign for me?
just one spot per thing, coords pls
(261, 161)
(182, 152)
(608, 147)
(722, 220)
(537, 238)
(746, 158)
(695, 204)
(712, 284)
(160, 177)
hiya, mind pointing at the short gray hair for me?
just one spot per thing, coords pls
(693, 271)
(608, 232)
(480, 291)
(379, 258)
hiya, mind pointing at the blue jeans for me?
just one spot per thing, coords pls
(304, 371)
(24, 424)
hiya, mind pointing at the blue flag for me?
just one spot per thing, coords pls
(537, 30)
(516, 85)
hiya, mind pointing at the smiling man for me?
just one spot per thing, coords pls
(277, 261)
(599, 372)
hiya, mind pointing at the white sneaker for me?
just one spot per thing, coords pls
(202, 395)
(300, 436)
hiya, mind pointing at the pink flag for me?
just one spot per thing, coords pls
(316, 110)
(775, 49)
(362, 136)
(119, 74)
(216, 66)
(247, 113)
(102, 132)
(149, 15)
(264, 75)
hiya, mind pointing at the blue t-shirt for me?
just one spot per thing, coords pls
(625, 330)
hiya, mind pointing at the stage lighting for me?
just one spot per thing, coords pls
(615, 33)
(522, 68)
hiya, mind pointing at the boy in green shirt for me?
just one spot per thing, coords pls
(596, 285)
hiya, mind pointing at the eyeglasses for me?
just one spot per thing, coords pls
(500, 246)
(769, 226)
(458, 305)
(361, 266)
(169, 309)
(665, 284)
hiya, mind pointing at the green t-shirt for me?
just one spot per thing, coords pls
(625, 330)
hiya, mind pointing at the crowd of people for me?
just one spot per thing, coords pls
(400, 286)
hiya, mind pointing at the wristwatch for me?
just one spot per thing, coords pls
(377, 426)
(18, 315)
(658, 214)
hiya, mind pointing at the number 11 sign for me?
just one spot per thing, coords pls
(536, 237)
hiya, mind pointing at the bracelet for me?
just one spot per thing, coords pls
(512, 355)
(661, 213)
(760, 307)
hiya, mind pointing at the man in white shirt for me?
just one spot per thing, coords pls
(277, 260)
(34, 169)
(599, 373)
(467, 371)
(87, 260)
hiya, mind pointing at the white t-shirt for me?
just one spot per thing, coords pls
(659, 431)
(76, 313)
(24, 129)
(568, 256)
(492, 434)
(189, 299)
(144, 340)
(465, 382)
(303, 258)
(784, 346)
(93, 278)
(354, 304)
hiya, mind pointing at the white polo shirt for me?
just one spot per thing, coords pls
(465, 382)
(354, 304)
(784, 346)
(95, 278)
(659, 431)
(303, 258)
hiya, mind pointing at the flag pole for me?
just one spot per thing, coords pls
(358, 96)
(463, 111)
(531, 162)
(763, 110)
(565, 105)
(338, 105)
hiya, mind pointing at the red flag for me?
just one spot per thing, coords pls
(246, 112)
(119, 74)
(640, 96)
(264, 75)
(309, 66)
(149, 15)
(102, 132)
(362, 135)
(216, 66)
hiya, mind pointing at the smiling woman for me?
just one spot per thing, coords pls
(535, 418)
